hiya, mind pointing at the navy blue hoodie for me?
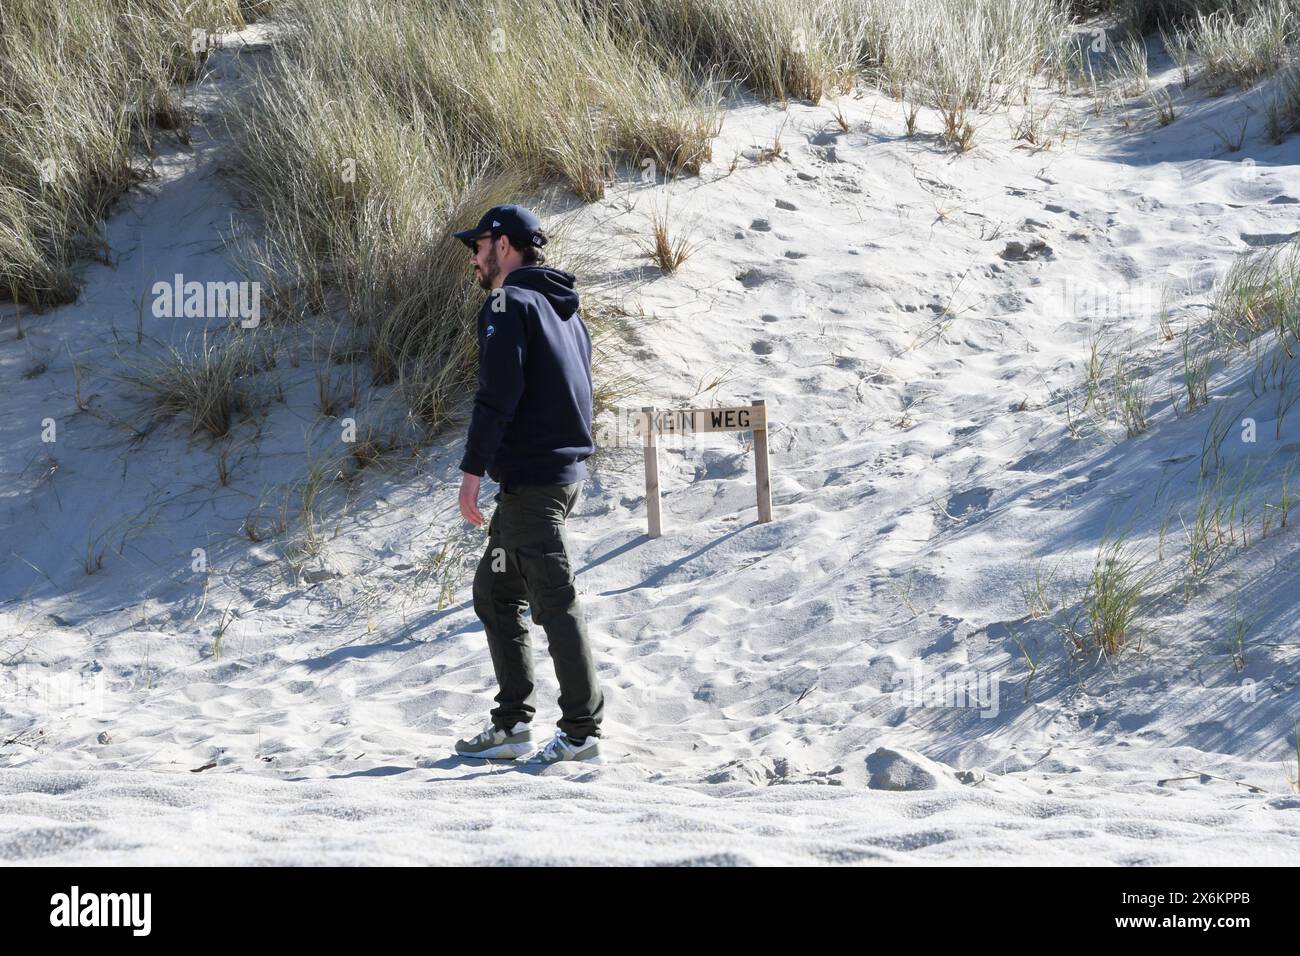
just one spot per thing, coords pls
(531, 423)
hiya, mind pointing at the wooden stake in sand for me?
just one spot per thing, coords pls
(683, 421)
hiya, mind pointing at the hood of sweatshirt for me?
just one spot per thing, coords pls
(555, 284)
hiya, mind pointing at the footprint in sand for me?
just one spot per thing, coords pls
(1019, 251)
(1257, 239)
(761, 347)
(720, 464)
(753, 278)
(967, 502)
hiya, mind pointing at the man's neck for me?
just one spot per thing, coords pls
(501, 276)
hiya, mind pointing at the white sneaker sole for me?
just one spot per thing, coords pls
(503, 752)
(597, 759)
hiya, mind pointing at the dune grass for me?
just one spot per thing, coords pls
(1260, 293)
(1129, 398)
(1240, 43)
(669, 245)
(1225, 44)
(956, 52)
(777, 49)
(1282, 115)
(253, 10)
(1114, 597)
(210, 383)
(959, 53)
(541, 85)
(1147, 16)
(85, 86)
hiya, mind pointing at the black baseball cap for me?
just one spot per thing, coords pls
(510, 220)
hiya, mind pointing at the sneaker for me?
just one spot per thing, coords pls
(493, 743)
(560, 747)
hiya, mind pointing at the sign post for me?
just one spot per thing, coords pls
(760, 464)
(680, 421)
(655, 529)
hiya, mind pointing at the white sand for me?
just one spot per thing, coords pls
(757, 676)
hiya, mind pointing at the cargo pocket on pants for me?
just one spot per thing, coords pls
(547, 569)
(558, 572)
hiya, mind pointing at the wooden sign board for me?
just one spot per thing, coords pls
(684, 421)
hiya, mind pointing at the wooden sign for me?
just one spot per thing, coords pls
(684, 421)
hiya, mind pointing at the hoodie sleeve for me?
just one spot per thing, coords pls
(502, 354)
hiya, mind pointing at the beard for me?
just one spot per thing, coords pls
(491, 269)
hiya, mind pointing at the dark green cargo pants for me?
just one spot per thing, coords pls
(527, 565)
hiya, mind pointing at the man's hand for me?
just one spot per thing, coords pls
(469, 498)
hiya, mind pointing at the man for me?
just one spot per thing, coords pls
(531, 432)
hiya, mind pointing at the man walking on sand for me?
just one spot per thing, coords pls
(531, 433)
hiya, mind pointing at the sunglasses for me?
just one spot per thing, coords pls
(473, 243)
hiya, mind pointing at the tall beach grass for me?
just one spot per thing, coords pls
(84, 84)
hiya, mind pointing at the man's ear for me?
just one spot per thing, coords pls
(506, 249)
